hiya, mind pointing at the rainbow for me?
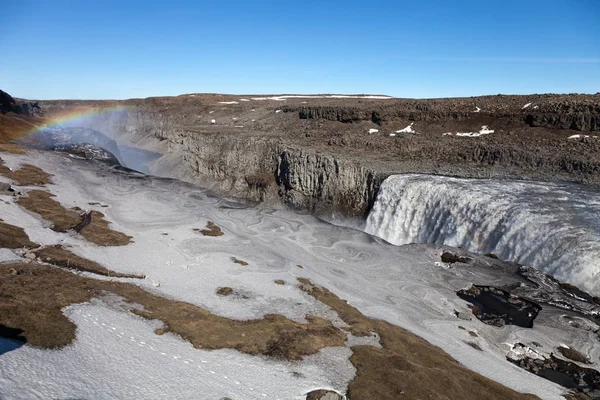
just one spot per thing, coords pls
(73, 118)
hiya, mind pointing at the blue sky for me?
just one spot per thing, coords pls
(122, 49)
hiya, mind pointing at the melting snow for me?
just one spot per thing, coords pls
(483, 131)
(408, 129)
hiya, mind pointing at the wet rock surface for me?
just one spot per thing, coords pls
(565, 373)
(498, 307)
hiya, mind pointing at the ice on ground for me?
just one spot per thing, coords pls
(483, 131)
(373, 130)
(398, 284)
(525, 106)
(7, 255)
(229, 102)
(408, 129)
(118, 355)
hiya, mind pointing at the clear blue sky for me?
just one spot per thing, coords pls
(121, 49)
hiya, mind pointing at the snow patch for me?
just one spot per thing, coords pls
(212, 121)
(229, 102)
(483, 131)
(525, 106)
(408, 129)
(373, 130)
(477, 109)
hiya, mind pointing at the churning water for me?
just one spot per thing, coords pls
(551, 226)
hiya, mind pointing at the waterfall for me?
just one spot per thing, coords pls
(553, 227)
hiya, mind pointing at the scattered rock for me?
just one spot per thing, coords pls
(323, 394)
(212, 229)
(573, 354)
(451, 258)
(498, 307)
(492, 255)
(224, 291)
(30, 256)
(280, 282)
(564, 373)
(237, 261)
(474, 345)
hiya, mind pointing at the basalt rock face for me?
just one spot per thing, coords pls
(8, 104)
(264, 169)
(574, 112)
(321, 182)
(324, 154)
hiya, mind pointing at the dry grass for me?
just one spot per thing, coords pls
(224, 291)
(99, 232)
(61, 257)
(13, 126)
(96, 230)
(27, 175)
(238, 261)
(406, 366)
(41, 202)
(32, 301)
(573, 354)
(212, 229)
(12, 148)
(14, 237)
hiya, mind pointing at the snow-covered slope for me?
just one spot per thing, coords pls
(117, 355)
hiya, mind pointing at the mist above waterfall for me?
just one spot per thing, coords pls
(553, 227)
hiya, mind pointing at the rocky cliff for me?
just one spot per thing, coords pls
(329, 155)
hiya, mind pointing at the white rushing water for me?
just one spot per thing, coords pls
(553, 227)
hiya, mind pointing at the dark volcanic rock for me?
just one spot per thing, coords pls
(498, 307)
(8, 104)
(564, 373)
(323, 394)
(451, 258)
